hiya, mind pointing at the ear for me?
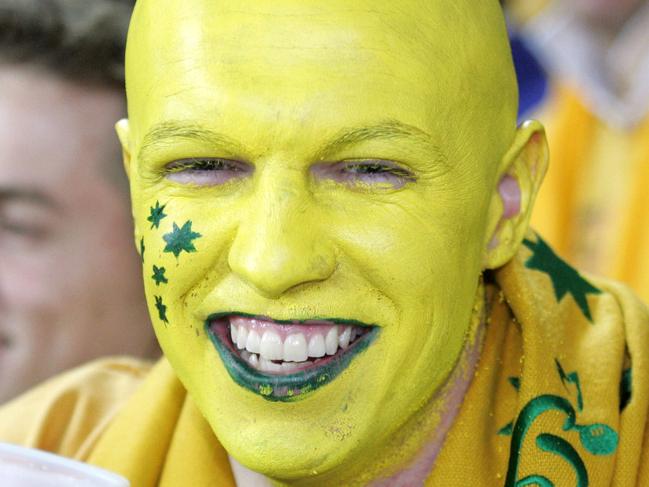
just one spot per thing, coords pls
(124, 134)
(519, 179)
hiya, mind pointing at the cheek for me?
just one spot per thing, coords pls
(29, 279)
(183, 242)
(414, 251)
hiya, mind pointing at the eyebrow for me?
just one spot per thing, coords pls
(28, 195)
(165, 133)
(386, 130)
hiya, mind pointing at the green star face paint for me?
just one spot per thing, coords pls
(181, 239)
(159, 275)
(157, 214)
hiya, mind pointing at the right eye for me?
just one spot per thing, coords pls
(206, 171)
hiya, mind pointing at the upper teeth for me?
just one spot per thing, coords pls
(295, 347)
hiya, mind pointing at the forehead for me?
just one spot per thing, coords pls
(290, 63)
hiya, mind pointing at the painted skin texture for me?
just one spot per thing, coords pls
(306, 97)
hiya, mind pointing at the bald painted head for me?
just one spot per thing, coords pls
(319, 187)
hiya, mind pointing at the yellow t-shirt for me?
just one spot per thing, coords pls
(560, 397)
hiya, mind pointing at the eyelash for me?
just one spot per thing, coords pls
(203, 165)
(378, 168)
(212, 172)
(204, 171)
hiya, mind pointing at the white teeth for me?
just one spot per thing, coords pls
(317, 346)
(331, 341)
(233, 333)
(261, 351)
(295, 348)
(242, 337)
(253, 341)
(268, 366)
(345, 336)
(271, 346)
(289, 366)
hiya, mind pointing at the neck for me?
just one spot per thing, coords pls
(420, 439)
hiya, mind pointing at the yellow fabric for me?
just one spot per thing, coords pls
(541, 345)
(68, 413)
(594, 204)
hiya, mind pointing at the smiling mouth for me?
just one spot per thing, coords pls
(285, 360)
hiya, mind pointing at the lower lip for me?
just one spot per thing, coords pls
(285, 387)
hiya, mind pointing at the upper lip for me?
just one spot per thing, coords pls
(315, 320)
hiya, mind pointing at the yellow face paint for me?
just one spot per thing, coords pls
(305, 161)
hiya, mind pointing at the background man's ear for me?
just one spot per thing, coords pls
(123, 133)
(519, 179)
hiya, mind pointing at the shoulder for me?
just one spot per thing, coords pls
(67, 413)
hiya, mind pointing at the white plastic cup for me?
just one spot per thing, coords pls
(27, 467)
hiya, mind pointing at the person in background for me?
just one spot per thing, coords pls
(594, 207)
(70, 285)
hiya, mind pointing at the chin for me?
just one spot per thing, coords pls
(289, 445)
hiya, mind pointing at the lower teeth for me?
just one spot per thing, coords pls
(265, 365)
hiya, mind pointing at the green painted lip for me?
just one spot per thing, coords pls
(290, 387)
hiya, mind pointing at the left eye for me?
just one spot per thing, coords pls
(369, 172)
(206, 171)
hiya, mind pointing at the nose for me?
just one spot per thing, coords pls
(279, 243)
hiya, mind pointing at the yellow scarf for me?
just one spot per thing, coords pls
(560, 397)
(562, 209)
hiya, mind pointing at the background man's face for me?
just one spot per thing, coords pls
(301, 161)
(69, 284)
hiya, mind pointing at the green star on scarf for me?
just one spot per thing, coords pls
(180, 239)
(159, 275)
(162, 309)
(157, 214)
(565, 279)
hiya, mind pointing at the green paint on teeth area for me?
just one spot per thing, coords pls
(292, 387)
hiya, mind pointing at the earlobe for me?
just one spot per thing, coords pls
(519, 179)
(123, 133)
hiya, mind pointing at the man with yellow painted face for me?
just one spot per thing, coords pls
(334, 201)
